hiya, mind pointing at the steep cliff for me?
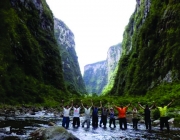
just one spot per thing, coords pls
(113, 55)
(30, 64)
(98, 75)
(95, 77)
(71, 70)
(151, 44)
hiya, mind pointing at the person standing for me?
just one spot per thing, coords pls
(135, 118)
(163, 115)
(95, 115)
(147, 116)
(122, 116)
(111, 117)
(104, 114)
(66, 111)
(87, 111)
(76, 119)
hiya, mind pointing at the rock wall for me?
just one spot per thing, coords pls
(150, 48)
(71, 70)
(95, 77)
(98, 75)
(113, 55)
(30, 64)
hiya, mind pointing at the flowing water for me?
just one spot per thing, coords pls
(20, 127)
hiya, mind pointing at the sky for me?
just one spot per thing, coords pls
(96, 24)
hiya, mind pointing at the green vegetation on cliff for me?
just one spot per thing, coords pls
(30, 61)
(70, 65)
(30, 64)
(151, 55)
(95, 77)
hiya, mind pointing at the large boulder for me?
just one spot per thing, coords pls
(53, 133)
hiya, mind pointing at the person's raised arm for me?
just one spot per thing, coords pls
(82, 104)
(100, 104)
(153, 105)
(114, 105)
(108, 107)
(140, 105)
(63, 103)
(170, 103)
(92, 103)
(128, 105)
(71, 103)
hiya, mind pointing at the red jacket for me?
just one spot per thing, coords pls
(121, 112)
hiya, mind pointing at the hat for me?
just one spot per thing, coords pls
(111, 108)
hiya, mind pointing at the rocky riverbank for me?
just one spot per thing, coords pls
(19, 123)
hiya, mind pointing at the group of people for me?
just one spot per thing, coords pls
(109, 112)
(87, 115)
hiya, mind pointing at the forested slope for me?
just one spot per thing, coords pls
(30, 62)
(151, 51)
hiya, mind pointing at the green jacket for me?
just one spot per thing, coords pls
(163, 111)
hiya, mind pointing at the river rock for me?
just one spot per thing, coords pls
(156, 122)
(53, 133)
(51, 124)
(171, 120)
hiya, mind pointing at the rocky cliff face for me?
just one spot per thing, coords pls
(113, 55)
(95, 77)
(150, 44)
(98, 75)
(30, 64)
(71, 70)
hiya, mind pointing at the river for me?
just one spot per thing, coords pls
(20, 127)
